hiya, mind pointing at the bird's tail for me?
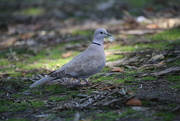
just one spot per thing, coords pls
(41, 81)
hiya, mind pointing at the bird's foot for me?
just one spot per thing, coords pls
(82, 84)
(87, 83)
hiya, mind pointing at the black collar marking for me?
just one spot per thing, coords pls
(96, 43)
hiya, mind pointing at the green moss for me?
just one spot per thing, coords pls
(173, 78)
(107, 116)
(37, 103)
(104, 79)
(32, 11)
(17, 95)
(149, 78)
(172, 34)
(69, 112)
(146, 103)
(4, 62)
(172, 105)
(18, 119)
(167, 116)
(124, 79)
(175, 63)
(121, 48)
(83, 32)
(105, 69)
(128, 111)
(15, 74)
(113, 57)
(139, 3)
(177, 86)
(54, 88)
(11, 106)
(114, 78)
(114, 47)
(59, 98)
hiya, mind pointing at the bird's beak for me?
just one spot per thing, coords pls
(108, 34)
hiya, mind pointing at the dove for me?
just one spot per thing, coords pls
(91, 61)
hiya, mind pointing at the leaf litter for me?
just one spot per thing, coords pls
(157, 92)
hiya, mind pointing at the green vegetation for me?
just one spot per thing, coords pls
(83, 32)
(173, 78)
(167, 116)
(139, 3)
(149, 78)
(32, 11)
(128, 78)
(59, 98)
(113, 57)
(146, 103)
(177, 86)
(175, 63)
(172, 105)
(55, 89)
(13, 106)
(51, 59)
(4, 62)
(108, 116)
(18, 119)
(128, 111)
(37, 103)
(169, 35)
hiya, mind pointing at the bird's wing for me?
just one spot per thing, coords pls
(82, 66)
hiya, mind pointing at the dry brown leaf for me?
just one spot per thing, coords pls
(109, 53)
(67, 54)
(152, 26)
(161, 63)
(24, 74)
(130, 92)
(117, 69)
(8, 42)
(134, 102)
(25, 36)
(110, 87)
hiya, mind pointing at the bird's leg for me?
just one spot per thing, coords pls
(62, 80)
(87, 83)
(79, 81)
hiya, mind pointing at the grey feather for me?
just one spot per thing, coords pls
(41, 81)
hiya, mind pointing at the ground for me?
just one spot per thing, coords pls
(140, 81)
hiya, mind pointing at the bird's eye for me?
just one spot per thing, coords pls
(101, 32)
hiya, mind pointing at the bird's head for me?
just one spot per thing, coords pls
(100, 33)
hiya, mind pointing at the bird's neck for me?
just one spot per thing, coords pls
(99, 42)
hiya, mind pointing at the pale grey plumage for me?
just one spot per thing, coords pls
(89, 62)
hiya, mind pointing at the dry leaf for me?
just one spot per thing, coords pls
(134, 102)
(130, 92)
(152, 26)
(109, 53)
(161, 63)
(117, 69)
(8, 42)
(24, 74)
(26, 36)
(110, 87)
(67, 54)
